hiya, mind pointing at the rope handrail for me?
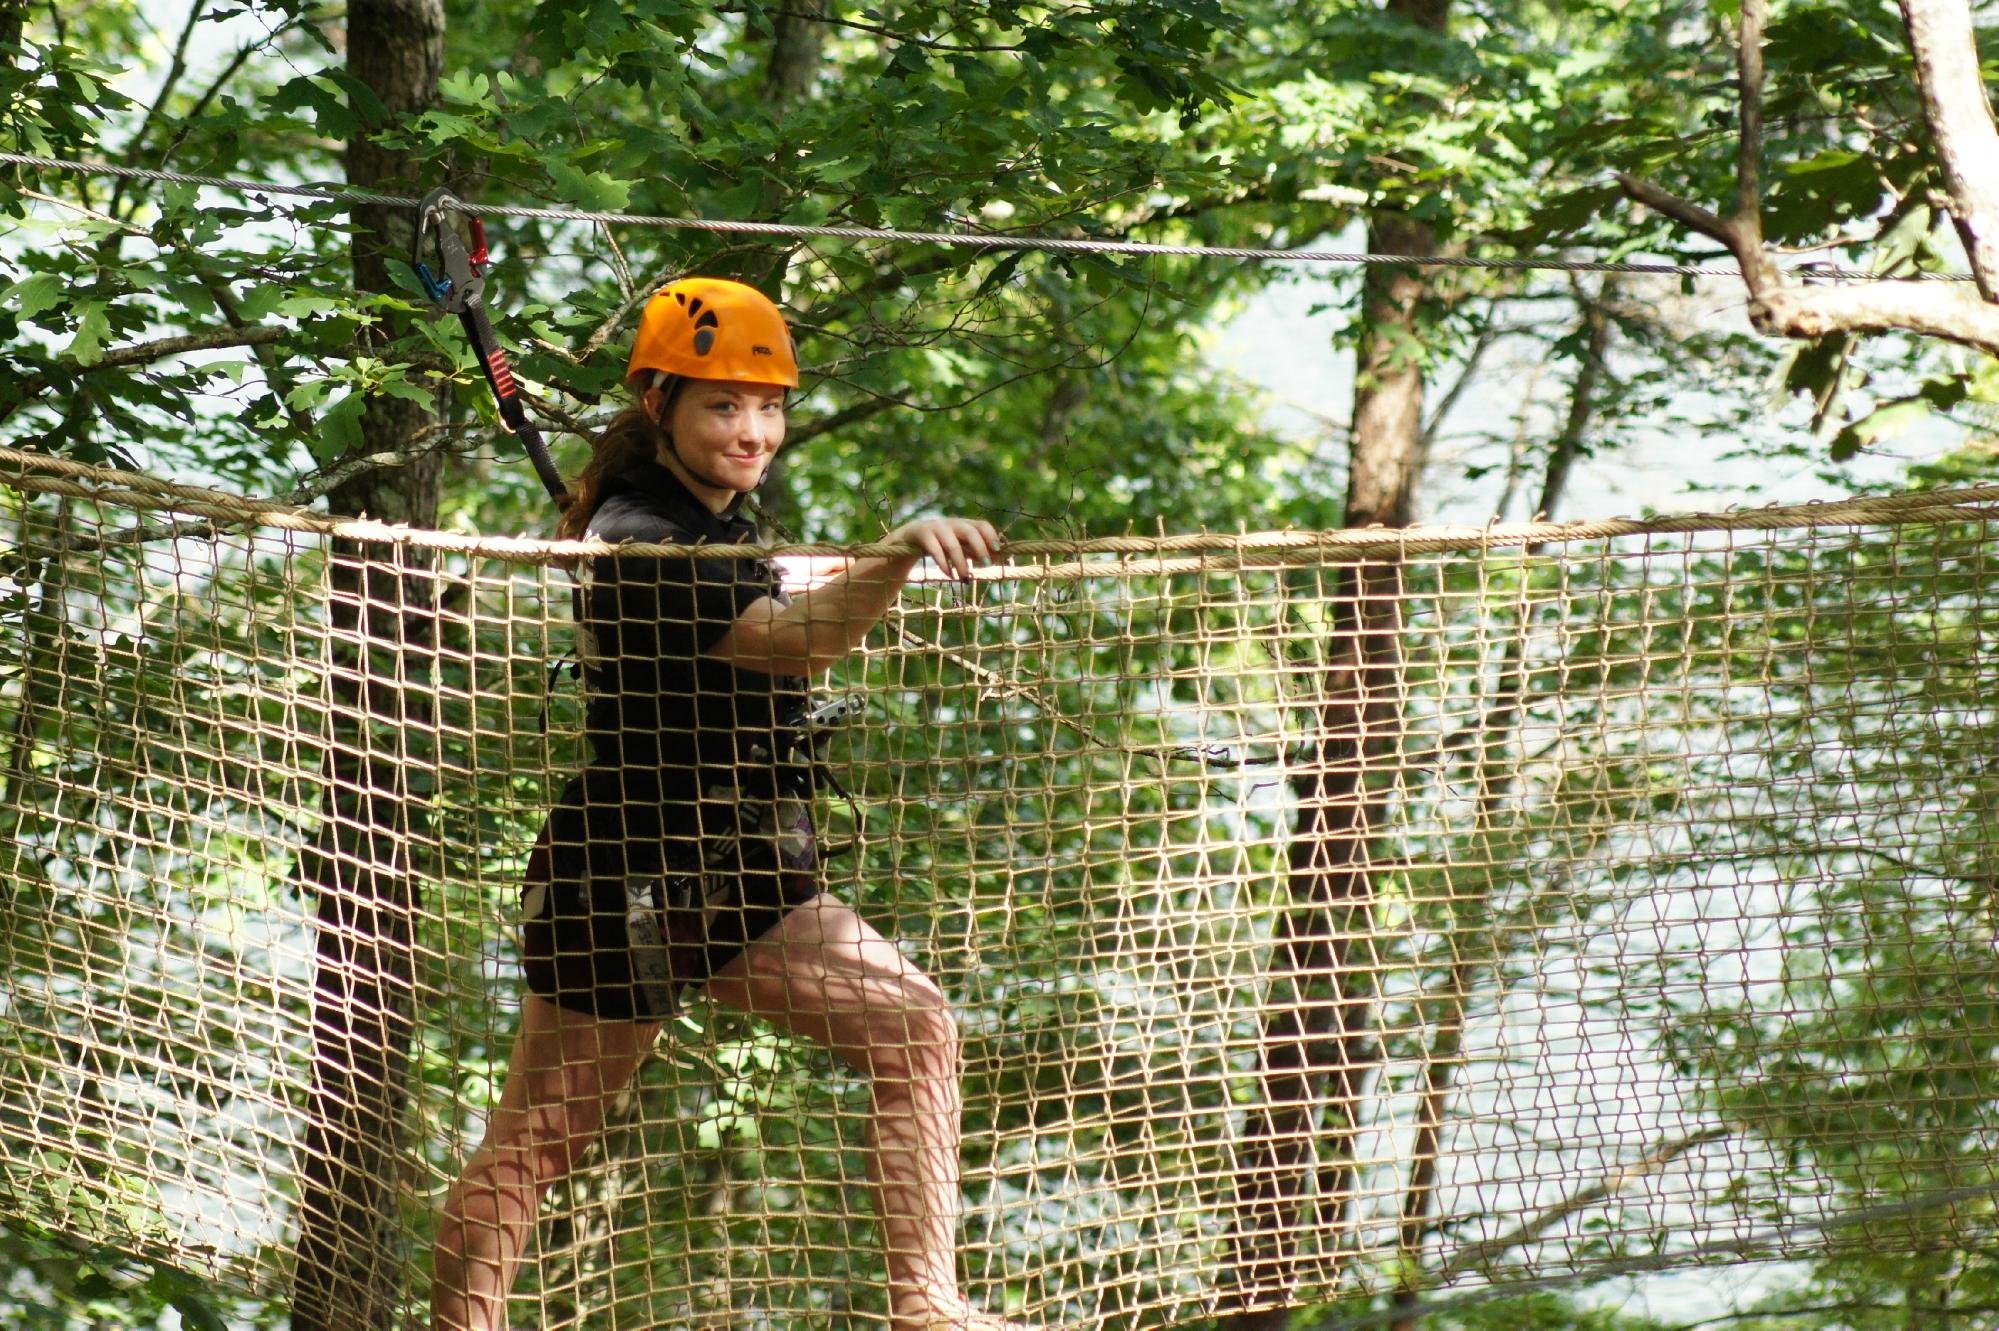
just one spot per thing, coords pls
(56, 475)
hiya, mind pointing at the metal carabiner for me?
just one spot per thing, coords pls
(459, 278)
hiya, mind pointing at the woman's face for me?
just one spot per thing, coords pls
(725, 432)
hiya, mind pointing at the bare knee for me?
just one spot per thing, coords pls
(539, 1148)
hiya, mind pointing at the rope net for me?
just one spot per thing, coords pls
(1321, 918)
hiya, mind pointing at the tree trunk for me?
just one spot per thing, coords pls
(791, 76)
(1958, 110)
(382, 634)
(1318, 1048)
(1598, 330)
(1470, 914)
(797, 45)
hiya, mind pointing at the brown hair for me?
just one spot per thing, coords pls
(632, 437)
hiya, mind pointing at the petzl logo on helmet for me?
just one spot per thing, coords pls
(762, 351)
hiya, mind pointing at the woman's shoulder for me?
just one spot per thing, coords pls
(629, 517)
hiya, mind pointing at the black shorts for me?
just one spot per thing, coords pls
(628, 901)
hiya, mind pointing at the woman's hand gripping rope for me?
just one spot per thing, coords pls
(957, 545)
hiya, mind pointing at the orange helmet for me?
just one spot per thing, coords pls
(712, 328)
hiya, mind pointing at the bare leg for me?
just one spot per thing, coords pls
(826, 974)
(565, 1069)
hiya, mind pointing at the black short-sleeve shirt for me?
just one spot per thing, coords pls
(657, 704)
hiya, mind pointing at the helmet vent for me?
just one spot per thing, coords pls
(705, 326)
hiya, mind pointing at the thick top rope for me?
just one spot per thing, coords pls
(982, 240)
(42, 473)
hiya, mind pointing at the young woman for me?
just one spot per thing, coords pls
(683, 856)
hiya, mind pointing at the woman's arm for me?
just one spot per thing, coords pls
(821, 626)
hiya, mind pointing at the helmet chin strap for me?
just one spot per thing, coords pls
(708, 481)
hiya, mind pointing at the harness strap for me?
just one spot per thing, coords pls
(460, 289)
(803, 739)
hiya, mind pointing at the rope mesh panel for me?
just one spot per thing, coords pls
(1645, 915)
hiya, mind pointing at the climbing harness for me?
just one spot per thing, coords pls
(804, 738)
(457, 285)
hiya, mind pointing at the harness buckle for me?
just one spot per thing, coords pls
(827, 715)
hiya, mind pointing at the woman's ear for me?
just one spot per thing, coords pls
(654, 402)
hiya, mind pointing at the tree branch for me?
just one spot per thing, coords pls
(1960, 119)
(139, 353)
(259, 337)
(1928, 309)
(1689, 215)
(893, 35)
(200, 107)
(1599, 330)
(195, 112)
(860, 411)
(1749, 144)
(1474, 1255)
(1488, 333)
(175, 70)
(634, 296)
(85, 210)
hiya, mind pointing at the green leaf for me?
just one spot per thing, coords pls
(1818, 370)
(260, 301)
(32, 295)
(1001, 271)
(339, 429)
(589, 189)
(87, 347)
(187, 1296)
(838, 172)
(1943, 394)
(398, 387)
(304, 306)
(319, 95)
(95, 1284)
(468, 89)
(1881, 423)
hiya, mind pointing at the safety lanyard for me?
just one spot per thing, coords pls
(457, 285)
